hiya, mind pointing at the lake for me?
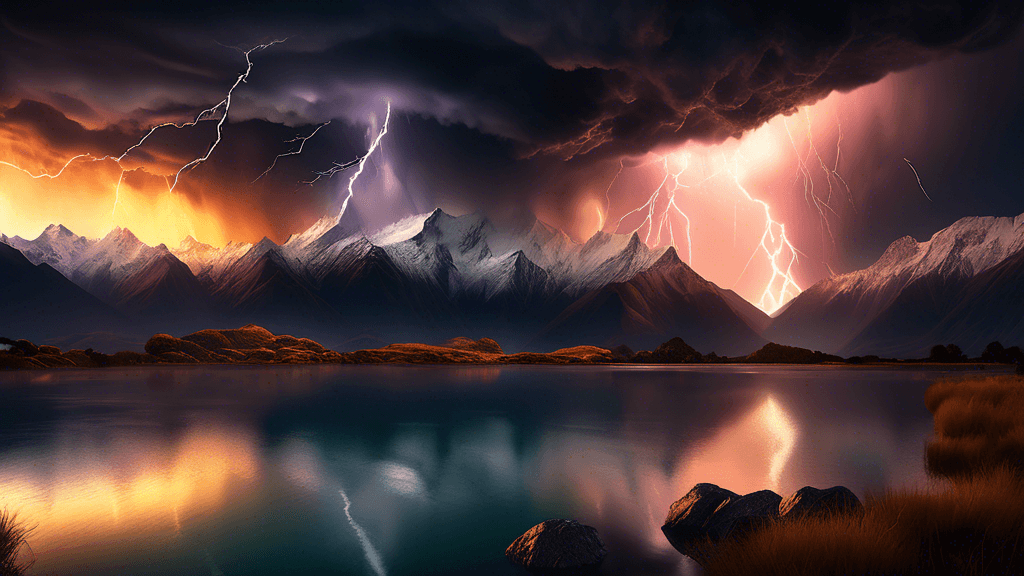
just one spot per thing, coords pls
(402, 470)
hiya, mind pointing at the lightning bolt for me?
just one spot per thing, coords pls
(660, 217)
(662, 208)
(608, 190)
(226, 102)
(302, 142)
(362, 163)
(916, 175)
(774, 243)
(224, 105)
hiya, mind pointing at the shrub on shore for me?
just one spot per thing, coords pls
(12, 538)
(979, 424)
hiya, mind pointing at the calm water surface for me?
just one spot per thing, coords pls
(421, 470)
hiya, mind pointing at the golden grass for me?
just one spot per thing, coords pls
(979, 424)
(972, 527)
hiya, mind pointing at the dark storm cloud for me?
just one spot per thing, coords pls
(558, 78)
(62, 133)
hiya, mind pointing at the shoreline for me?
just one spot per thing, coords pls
(253, 345)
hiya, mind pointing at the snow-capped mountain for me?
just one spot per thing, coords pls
(57, 246)
(666, 298)
(893, 306)
(428, 277)
(40, 303)
(206, 262)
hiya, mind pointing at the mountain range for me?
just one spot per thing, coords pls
(435, 276)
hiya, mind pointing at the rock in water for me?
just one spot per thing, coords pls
(708, 514)
(686, 524)
(810, 501)
(558, 546)
(743, 513)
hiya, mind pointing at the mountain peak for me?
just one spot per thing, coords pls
(438, 213)
(669, 258)
(189, 243)
(122, 236)
(634, 244)
(54, 230)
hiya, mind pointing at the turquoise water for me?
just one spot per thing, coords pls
(421, 470)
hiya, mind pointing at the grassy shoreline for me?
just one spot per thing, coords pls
(973, 525)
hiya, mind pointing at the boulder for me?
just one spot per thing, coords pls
(743, 513)
(687, 520)
(49, 350)
(558, 547)
(708, 514)
(810, 501)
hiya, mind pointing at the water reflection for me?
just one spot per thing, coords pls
(350, 471)
(125, 487)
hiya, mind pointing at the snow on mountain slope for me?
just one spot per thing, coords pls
(906, 291)
(57, 246)
(206, 260)
(263, 284)
(667, 298)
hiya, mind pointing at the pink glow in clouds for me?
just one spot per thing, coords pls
(797, 175)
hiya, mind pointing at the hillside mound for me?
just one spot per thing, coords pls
(485, 345)
(675, 351)
(773, 353)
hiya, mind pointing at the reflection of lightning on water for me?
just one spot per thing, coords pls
(372, 556)
(224, 105)
(778, 424)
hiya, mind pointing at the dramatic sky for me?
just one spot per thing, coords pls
(742, 117)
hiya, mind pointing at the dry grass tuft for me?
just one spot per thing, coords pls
(12, 538)
(979, 425)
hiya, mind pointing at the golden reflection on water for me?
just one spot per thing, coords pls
(125, 487)
(625, 483)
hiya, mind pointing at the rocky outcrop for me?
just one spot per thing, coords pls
(812, 502)
(558, 547)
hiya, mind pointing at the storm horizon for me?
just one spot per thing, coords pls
(756, 142)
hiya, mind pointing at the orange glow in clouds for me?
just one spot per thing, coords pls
(91, 197)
